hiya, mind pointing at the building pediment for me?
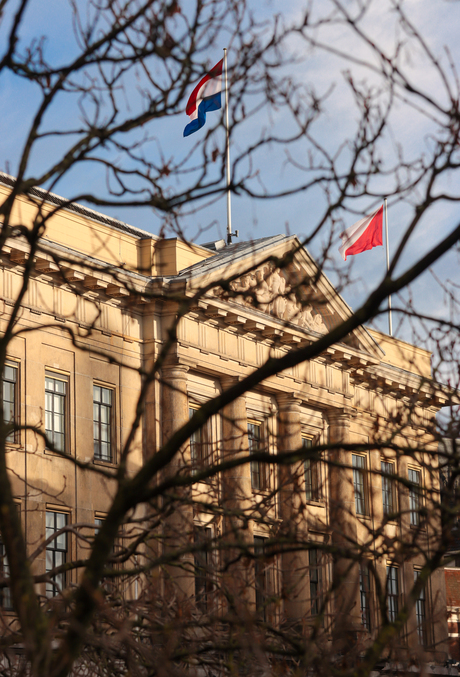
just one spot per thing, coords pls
(295, 294)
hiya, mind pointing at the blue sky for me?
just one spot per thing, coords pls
(410, 132)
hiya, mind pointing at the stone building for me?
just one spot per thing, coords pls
(101, 289)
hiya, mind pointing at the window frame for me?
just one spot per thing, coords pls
(258, 469)
(202, 459)
(65, 398)
(415, 496)
(203, 566)
(365, 595)
(13, 437)
(316, 579)
(388, 487)
(420, 608)
(312, 474)
(393, 597)
(361, 497)
(55, 587)
(111, 436)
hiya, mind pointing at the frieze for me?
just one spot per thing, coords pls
(267, 288)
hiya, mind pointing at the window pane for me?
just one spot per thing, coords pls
(414, 497)
(387, 488)
(359, 464)
(392, 593)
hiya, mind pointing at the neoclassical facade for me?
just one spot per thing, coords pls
(98, 312)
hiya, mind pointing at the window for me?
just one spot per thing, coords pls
(56, 551)
(359, 484)
(365, 595)
(259, 471)
(392, 592)
(388, 488)
(10, 393)
(203, 573)
(415, 502)
(260, 576)
(6, 601)
(316, 580)
(312, 469)
(420, 613)
(102, 423)
(55, 411)
(199, 445)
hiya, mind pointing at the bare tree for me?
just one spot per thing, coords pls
(235, 539)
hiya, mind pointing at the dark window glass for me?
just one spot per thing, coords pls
(420, 613)
(260, 576)
(259, 480)
(365, 595)
(388, 488)
(359, 483)
(102, 423)
(56, 551)
(203, 572)
(10, 380)
(200, 445)
(312, 470)
(316, 580)
(415, 502)
(55, 411)
(392, 593)
(5, 593)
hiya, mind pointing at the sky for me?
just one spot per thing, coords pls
(411, 133)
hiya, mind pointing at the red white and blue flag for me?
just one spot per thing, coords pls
(362, 235)
(205, 97)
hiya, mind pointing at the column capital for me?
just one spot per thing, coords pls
(173, 371)
(229, 381)
(340, 415)
(287, 402)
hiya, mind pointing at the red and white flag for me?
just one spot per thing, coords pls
(362, 235)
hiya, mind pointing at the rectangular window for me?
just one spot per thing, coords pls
(56, 551)
(312, 469)
(388, 489)
(365, 595)
(260, 577)
(259, 471)
(359, 484)
(55, 411)
(203, 569)
(102, 423)
(392, 593)
(415, 496)
(10, 394)
(6, 601)
(420, 613)
(200, 445)
(316, 580)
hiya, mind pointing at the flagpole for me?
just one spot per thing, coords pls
(227, 127)
(390, 325)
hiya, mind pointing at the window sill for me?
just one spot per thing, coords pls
(319, 502)
(100, 461)
(364, 517)
(59, 454)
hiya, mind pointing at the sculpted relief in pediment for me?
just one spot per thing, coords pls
(268, 289)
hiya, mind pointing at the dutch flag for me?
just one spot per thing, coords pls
(205, 97)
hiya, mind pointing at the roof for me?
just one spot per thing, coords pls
(230, 254)
(51, 198)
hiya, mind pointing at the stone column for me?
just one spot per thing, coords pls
(343, 520)
(178, 525)
(237, 500)
(295, 564)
